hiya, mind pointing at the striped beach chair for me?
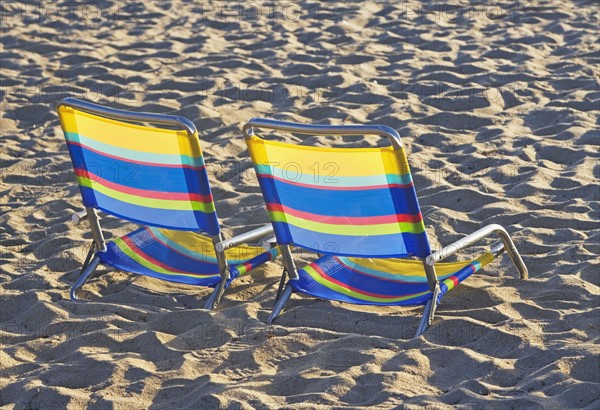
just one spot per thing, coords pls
(358, 208)
(149, 169)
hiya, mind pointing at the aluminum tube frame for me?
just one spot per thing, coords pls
(100, 246)
(269, 243)
(469, 240)
(244, 238)
(288, 262)
(152, 118)
(312, 129)
(215, 297)
(284, 293)
(96, 229)
(85, 275)
(280, 303)
(424, 322)
(79, 216)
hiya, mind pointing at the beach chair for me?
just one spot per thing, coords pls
(357, 207)
(149, 169)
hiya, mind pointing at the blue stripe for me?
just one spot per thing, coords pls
(116, 258)
(383, 246)
(162, 218)
(305, 284)
(357, 203)
(340, 273)
(155, 249)
(171, 159)
(210, 258)
(139, 176)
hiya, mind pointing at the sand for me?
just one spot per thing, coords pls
(498, 109)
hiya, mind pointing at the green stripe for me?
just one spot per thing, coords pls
(449, 284)
(169, 204)
(348, 230)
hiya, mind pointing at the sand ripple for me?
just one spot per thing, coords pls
(498, 107)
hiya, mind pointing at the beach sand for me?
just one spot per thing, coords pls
(498, 110)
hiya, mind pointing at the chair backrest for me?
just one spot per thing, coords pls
(343, 201)
(142, 173)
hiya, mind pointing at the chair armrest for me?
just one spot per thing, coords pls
(469, 240)
(244, 238)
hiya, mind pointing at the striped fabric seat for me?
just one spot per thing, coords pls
(383, 282)
(180, 256)
(149, 169)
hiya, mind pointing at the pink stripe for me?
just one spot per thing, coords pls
(175, 196)
(153, 261)
(343, 220)
(166, 245)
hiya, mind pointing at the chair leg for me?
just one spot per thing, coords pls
(85, 275)
(424, 323)
(280, 303)
(215, 296)
(90, 254)
(281, 285)
(429, 312)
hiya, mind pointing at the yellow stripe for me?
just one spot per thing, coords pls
(397, 165)
(67, 119)
(129, 136)
(328, 162)
(408, 267)
(201, 244)
(169, 204)
(131, 253)
(350, 230)
(484, 259)
(340, 289)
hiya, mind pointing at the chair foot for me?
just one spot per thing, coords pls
(424, 323)
(280, 303)
(429, 312)
(85, 275)
(215, 296)
(282, 282)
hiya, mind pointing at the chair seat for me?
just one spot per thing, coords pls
(391, 282)
(179, 256)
